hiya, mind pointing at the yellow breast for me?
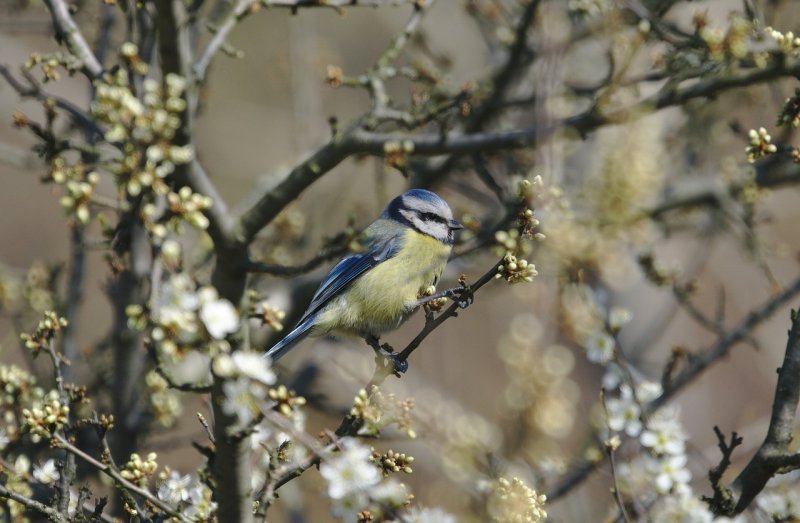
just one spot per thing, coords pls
(380, 299)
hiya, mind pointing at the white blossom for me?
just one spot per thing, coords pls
(175, 489)
(680, 509)
(220, 318)
(351, 471)
(647, 391)
(347, 508)
(600, 347)
(390, 492)
(46, 473)
(780, 499)
(672, 473)
(664, 433)
(618, 317)
(624, 412)
(4, 439)
(428, 515)
(255, 366)
(241, 400)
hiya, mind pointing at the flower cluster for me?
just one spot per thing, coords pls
(189, 326)
(269, 315)
(356, 486)
(392, 461)
(17, 388)
(143, 128)
(165, 403)
(16, 481)
(515, 270)
(182, 206)
(663, 438)
(247, 377)
(540, 397)
(760, 144)
(788, 43)
(378, 411)
(46, 330)
(396, 153)
(140, 470)
(727, 44)
(49, 63)
(186, 494)
(287, 402)
(512, 501)
(45, 416)
(79, 187)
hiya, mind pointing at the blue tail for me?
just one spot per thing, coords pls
(290, 340)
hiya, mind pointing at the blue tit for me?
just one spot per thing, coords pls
(372, 293)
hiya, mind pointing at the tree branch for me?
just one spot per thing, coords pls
(51, 513)
(357, 140)
(121, 481)
(700, 363)
(67, 32)
(237, 12)
(774, 456)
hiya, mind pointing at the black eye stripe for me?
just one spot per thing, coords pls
(432, 217)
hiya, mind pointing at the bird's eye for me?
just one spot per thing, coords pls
(429, 216)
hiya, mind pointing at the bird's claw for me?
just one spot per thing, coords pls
(385, 353)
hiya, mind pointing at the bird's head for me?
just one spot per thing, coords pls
(424, 212)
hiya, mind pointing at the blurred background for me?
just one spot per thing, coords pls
(507, 384)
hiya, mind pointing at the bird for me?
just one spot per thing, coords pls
(369, 293)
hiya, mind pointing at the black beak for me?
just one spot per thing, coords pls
(455, 225)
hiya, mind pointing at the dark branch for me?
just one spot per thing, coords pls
(775, 455)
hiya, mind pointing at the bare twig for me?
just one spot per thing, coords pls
(237, 13)
(326, 254)
(357, 140)
(67, 32)
(33, 90)
(722, 496)
(702, 361)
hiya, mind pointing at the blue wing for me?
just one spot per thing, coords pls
(347, 270)
(340, 277)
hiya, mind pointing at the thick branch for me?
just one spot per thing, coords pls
(51, 513)
(775, 456)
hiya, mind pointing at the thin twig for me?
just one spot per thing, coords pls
(237, 13)
(117, 477)
(67, 32)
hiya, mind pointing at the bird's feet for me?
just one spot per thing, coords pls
(387, 355)
(463, 296)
